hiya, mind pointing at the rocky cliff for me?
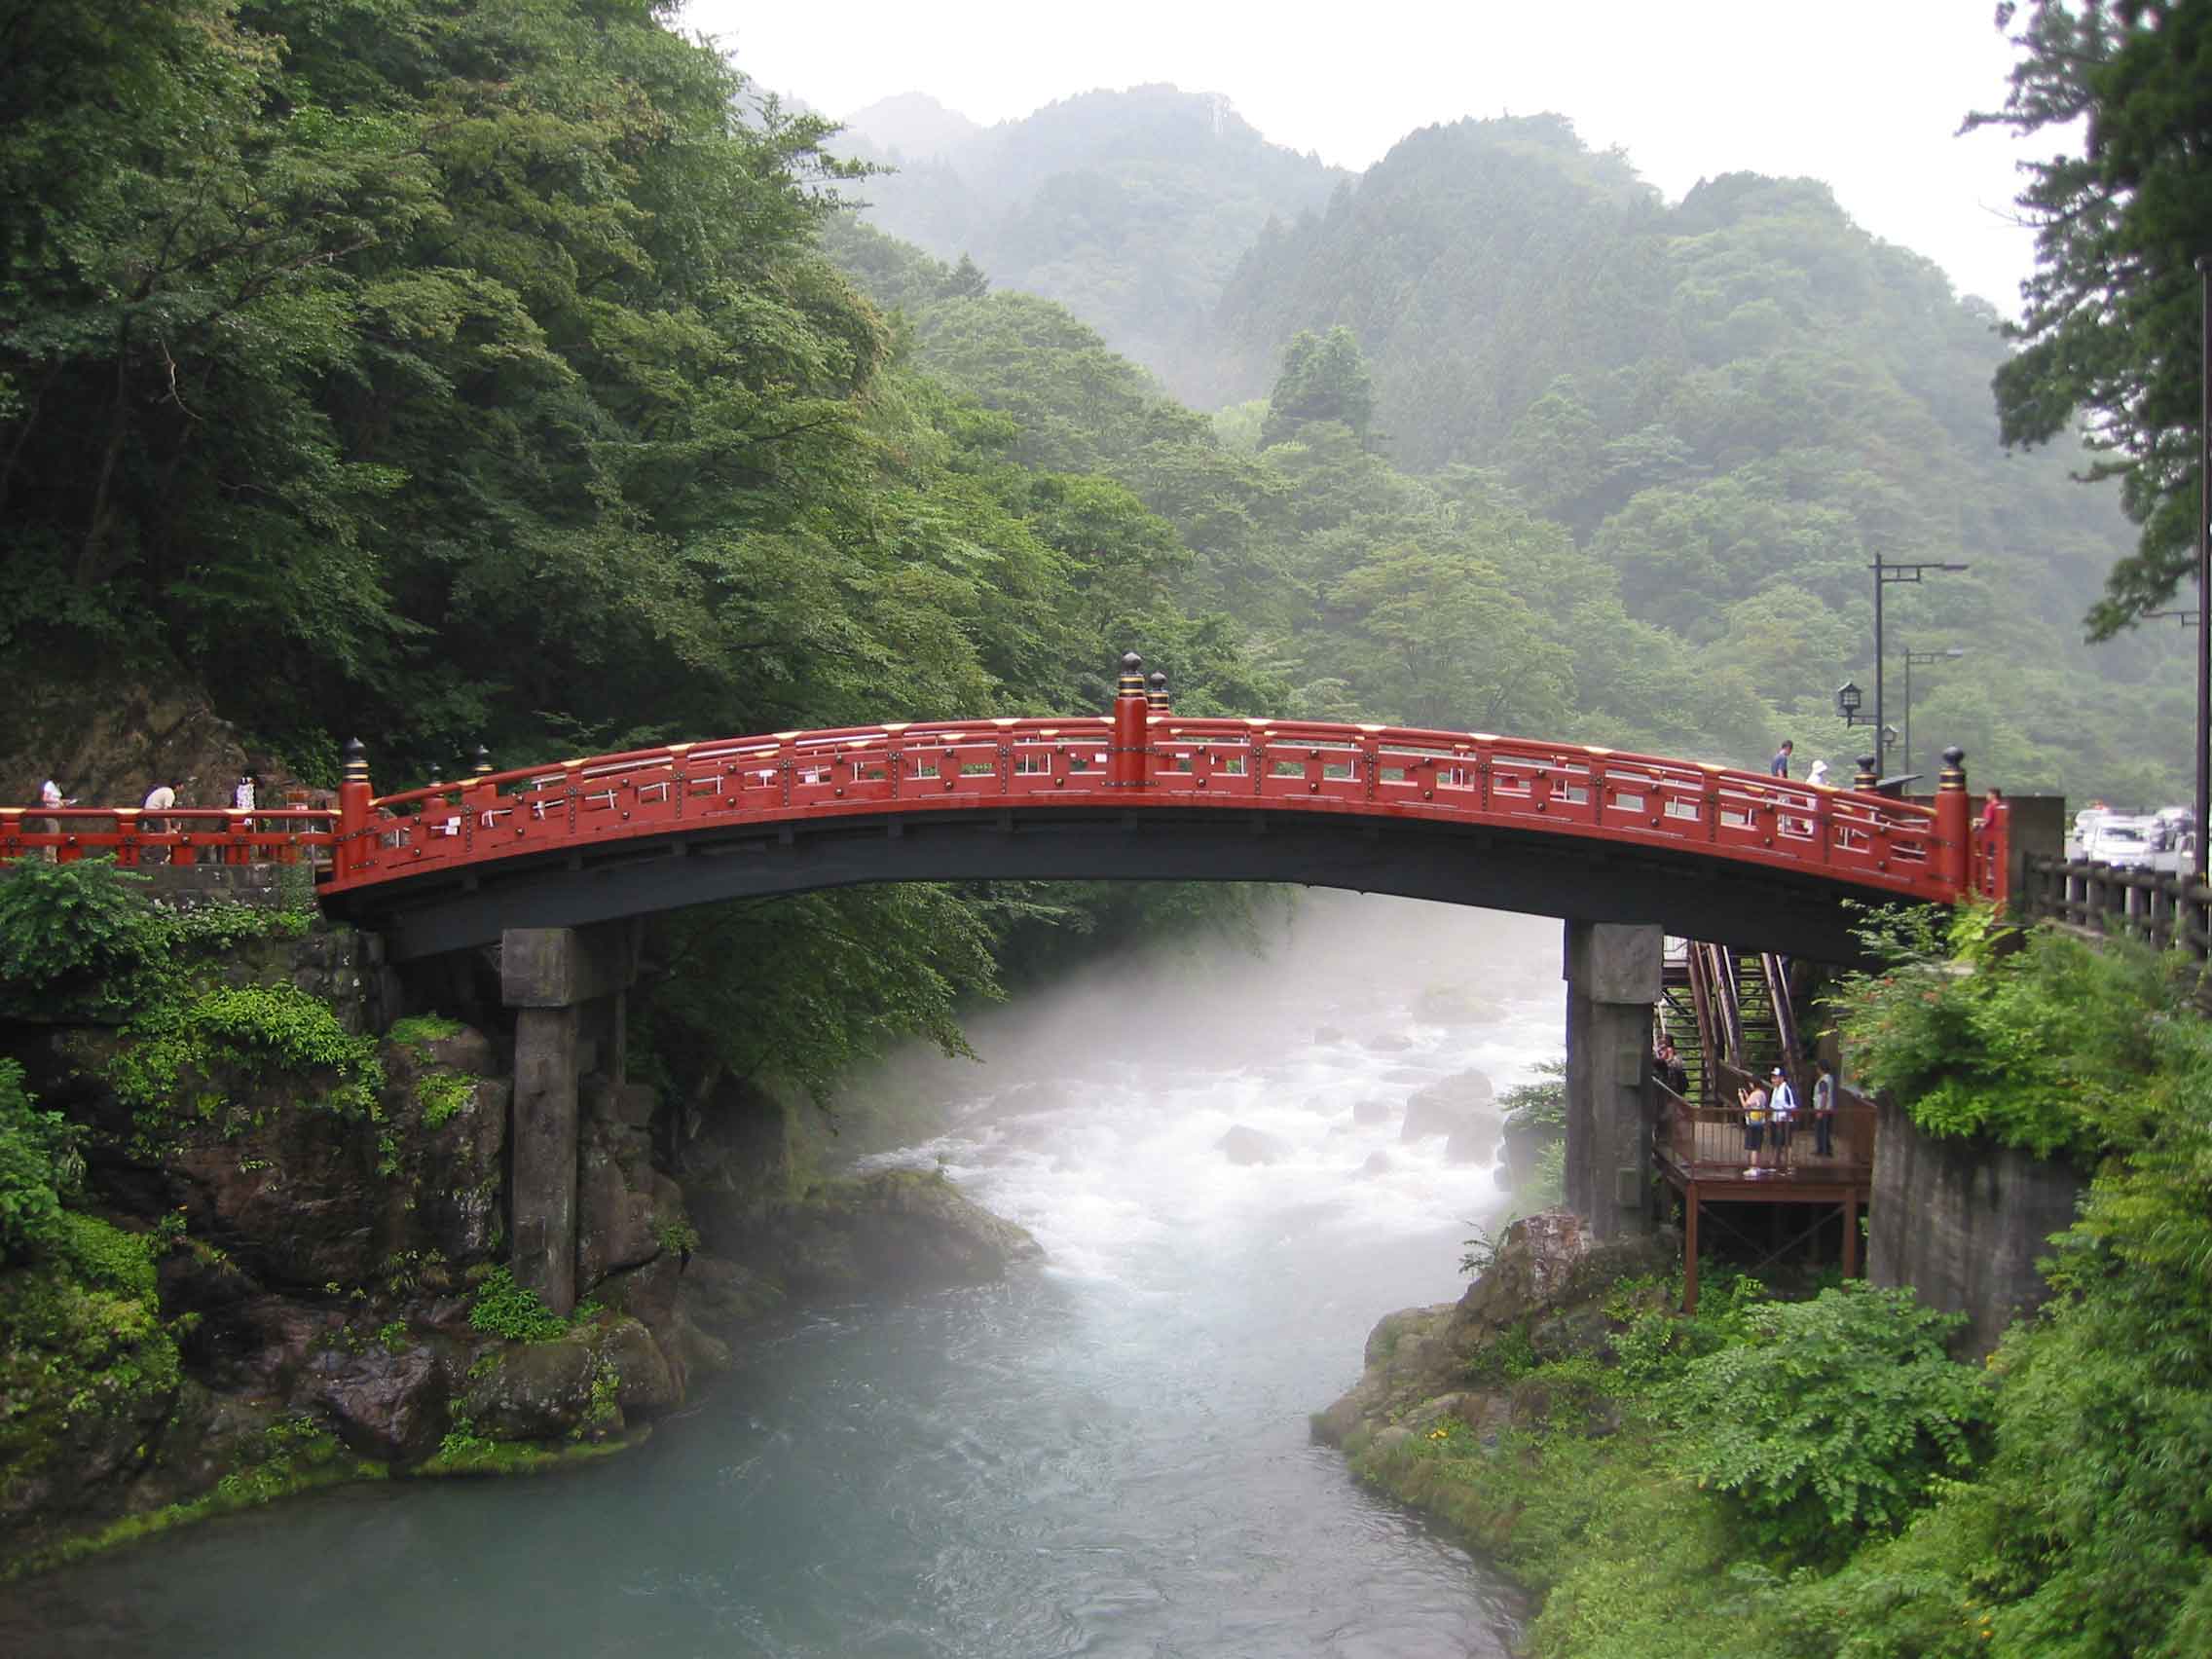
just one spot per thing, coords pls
(1540, 1291)
(286, 1264)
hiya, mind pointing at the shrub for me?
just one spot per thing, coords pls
(1832, 1417)
(74, 938)
(417, 1031)
(505, 1309)
(248, 1029)
(2044, 1047)
(39, 1166)
(677, 1235)
(443, 1094)
(1537, 1105)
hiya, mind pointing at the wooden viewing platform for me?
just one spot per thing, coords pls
(1700, 1152)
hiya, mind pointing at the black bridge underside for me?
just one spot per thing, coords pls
(1745, 905)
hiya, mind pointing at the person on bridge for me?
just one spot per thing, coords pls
(1781, 1109)
(1823, 1112)
(50, 795)
(1819, 775)
(160, 798)
(1779, 766)
(1991, 810)
(1752, 1098)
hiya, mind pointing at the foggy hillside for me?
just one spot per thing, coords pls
(1132, 207)
(1726, 406)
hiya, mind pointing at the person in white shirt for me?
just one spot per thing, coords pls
(1781, 1108)
(50, 795)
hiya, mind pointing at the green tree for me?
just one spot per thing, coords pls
(1323, 378)
(2110, 326)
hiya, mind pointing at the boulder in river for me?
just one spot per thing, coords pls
(1246, 1145)
(535, 1391)
(1464, 1101)
(1371, 1112)
(898, 1229)
(388, 1406)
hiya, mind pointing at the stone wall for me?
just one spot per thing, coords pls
(1962, 1222)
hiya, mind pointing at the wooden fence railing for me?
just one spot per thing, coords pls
(1706, 1138)
(2160, 908)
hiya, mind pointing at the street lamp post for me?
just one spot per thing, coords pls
(1913, 660)
(2203, 555)
(1884, 574)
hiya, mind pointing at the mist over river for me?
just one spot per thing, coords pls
(1106, 1456)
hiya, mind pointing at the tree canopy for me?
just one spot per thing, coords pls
(2113, 327)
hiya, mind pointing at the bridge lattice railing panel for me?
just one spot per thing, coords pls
(1271, 765)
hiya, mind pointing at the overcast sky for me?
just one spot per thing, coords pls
(1867, 96)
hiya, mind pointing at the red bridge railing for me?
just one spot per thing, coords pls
(186, 834)
(1135, 760)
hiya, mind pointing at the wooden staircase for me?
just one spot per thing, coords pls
(1729, 1017)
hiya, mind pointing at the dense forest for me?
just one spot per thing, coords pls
(453, 374)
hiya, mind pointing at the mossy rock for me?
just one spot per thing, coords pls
(534, 1392)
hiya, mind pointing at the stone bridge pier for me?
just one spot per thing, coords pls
(1612, 979)
(567, 986)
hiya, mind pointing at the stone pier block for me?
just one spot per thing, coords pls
(1612, 973)
(544, 1141)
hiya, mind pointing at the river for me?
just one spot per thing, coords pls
(1107, 1455)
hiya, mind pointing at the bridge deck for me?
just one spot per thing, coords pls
(582, 823)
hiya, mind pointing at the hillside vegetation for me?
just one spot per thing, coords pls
(1730, 405)
(1131, 208)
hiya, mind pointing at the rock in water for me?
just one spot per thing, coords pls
(900, 1229)
(1246, 1145)
(1459, 1102)
(1470, 1143)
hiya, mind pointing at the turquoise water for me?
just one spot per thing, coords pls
(1107, 1455)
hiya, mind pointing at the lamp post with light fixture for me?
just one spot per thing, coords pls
(1884, 574)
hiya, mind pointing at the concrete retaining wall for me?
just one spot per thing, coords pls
(1962, 1222)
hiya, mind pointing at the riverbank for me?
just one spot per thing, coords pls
(1811, 1474)
(1661, 1484)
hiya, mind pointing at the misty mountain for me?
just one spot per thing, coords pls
(1716, 613)
(1131, 208)
(912, 127)
(1738, 393)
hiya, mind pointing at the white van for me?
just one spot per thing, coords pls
(2125, 843)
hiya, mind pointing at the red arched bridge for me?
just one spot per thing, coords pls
(1558, 829)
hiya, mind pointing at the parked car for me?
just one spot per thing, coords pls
(2127, 843)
